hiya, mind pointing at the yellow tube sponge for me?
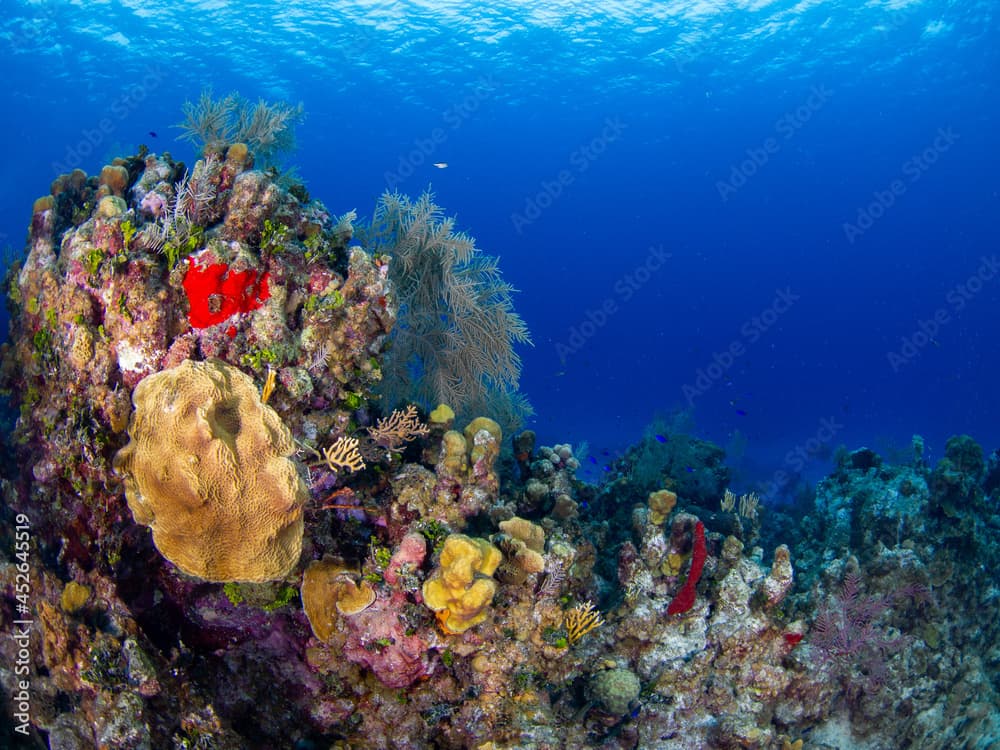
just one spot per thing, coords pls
(207, 470)
(461, 589)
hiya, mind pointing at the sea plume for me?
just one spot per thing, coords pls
(454, 342)
(266, 128)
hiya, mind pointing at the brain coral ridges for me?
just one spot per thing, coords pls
(207, 470)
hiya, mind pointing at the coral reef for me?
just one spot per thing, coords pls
(101, 302)
(340, 577)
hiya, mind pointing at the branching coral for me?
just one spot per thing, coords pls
(580, 620)
(343, 454)
(398, 428)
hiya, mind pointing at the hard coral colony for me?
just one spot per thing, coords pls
(306, 582)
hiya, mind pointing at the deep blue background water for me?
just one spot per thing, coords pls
(737, 139)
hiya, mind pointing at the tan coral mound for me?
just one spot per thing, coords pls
(207, 470)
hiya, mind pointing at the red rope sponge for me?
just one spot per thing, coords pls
(685, 597)
(215, 293)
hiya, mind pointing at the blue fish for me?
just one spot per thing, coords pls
(592, 460)
(741, 412)
(689, 470)
(660, 438)
(607, 468)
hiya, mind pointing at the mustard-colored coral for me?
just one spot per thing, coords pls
(660, 505)
(461, 589)
(522, 543)
(328, 588)
(530, 533)
(580, 620)
(442, 416)
(207, 470)
(483, 423)
(74, 596)
(454, 458)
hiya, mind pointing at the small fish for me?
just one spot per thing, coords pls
(689, 470)
(592, 460)
(607, 468)
(741, 412)
(153, 134)
(441, 164)
(605, 453)
(660, 438)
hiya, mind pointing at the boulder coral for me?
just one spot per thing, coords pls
(207, 470)
(661, 503)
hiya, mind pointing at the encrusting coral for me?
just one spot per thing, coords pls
(207, 470)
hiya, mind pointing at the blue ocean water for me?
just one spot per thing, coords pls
(781, 216)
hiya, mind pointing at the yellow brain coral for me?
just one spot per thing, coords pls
(207, 470)
(462, 587)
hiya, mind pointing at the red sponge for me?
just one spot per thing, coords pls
(686, 596)
(215, 293)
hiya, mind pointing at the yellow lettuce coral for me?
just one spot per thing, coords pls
(328, 587)
(461, 589)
